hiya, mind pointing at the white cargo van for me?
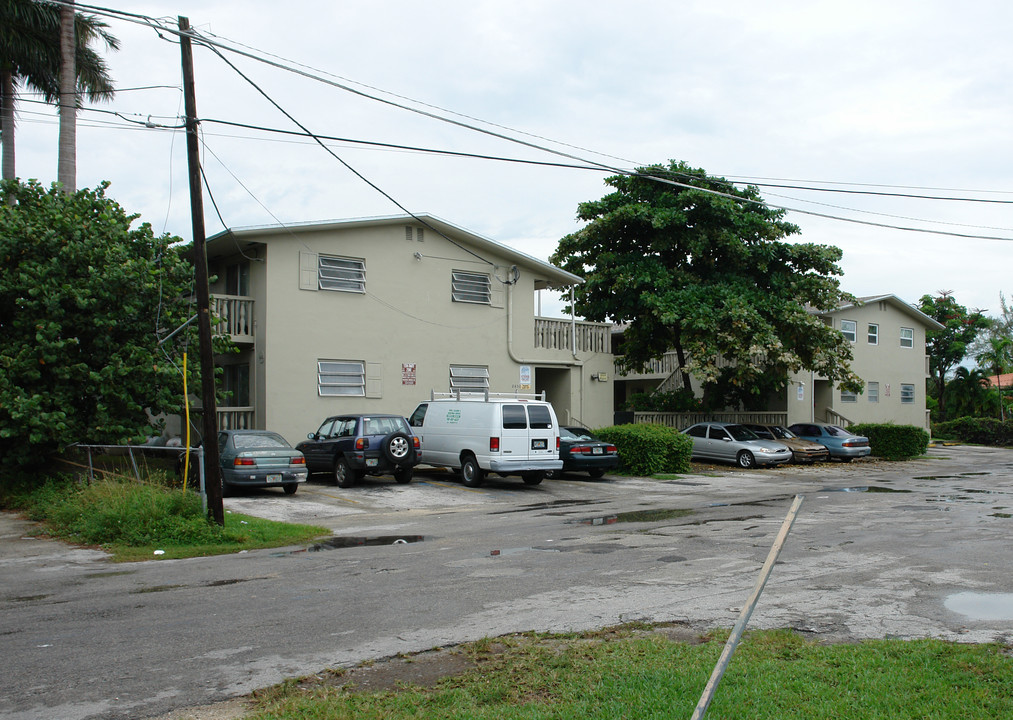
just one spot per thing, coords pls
(480, 432)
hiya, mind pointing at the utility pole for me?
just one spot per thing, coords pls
(212, 471)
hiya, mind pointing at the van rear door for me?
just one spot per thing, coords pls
(513, 440)
(542, 433)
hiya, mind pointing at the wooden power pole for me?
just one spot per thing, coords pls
(212, 471)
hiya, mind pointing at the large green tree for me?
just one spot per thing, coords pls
(692, 264)
(946, 348)
(30, 57)
(84, 300)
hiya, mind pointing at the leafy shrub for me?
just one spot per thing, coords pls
(893, 442)
(646, 449)
(978, 430)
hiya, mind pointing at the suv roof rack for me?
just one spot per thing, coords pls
(484, 395)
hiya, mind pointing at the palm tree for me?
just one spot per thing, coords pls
(998, 358)
(30, 57)
(968, 394)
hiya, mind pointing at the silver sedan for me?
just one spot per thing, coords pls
(731, 442)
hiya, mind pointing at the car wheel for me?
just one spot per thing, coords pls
(397, 447)
(596, 473)
(343, 475)
(745, 459)
(533, 478)
(471, 472)
(404, 476)
(290, 488)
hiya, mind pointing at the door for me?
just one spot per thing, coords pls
(513, 441)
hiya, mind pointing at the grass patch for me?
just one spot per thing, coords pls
(132, 520)
(637, 673)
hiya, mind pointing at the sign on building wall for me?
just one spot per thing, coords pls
(408, 373)
(525, 383)
(801, 392)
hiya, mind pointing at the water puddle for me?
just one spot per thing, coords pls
(547, 506)
(864, 488)
(347, 542)
(652, 515)
(981, 606)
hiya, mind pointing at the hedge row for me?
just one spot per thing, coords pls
(977, 430)
(893, 442)
(646, 449)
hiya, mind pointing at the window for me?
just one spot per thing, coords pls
(341, 377)
(467, 378)
(237, 279)
(471, 288)
(848, 397)
(699, 431)
(907, 393)
(873, 389)
(907, 337)
(342, 274)
(236, 383)
(850, 329)
(873, 334)
(514, 417)
(540, 418)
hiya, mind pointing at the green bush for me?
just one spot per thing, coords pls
(646, 449)
(977, 430)
(893, 442)
(128, 513)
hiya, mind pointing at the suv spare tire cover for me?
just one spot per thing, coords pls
(397, 447)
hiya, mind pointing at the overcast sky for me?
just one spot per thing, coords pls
(890, 96)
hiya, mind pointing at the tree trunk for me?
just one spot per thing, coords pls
(67, 167)
(7, 124)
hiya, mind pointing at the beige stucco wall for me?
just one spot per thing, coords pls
(406, 316)
(887, 363)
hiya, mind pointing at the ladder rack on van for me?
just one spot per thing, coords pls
(484, 395)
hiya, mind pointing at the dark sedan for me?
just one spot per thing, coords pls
(349, 447)
(259, 458)
(581, 451)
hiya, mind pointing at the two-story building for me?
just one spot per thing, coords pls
(371, 315)
(888, 342)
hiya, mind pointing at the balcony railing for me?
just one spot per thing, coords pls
(236, 418)
(553, 334)
(681, 421)
(235, 315)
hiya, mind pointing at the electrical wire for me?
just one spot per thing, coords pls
(346, 165)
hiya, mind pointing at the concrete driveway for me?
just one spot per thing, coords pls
(914, 549)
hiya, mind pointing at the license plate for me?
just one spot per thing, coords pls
(539, 444)
(597, 451)
(372, 462)
(274, 478)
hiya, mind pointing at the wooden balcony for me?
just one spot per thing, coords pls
(234, 314)
(558, 334)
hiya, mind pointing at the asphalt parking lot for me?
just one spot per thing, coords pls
(911, 549)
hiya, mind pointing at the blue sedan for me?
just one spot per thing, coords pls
(841, 443)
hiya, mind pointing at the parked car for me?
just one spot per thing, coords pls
(732, 442)
(842, 444)
(581, 451)
(349, 447)
(259, 458)
(802, 450)
(482, 432)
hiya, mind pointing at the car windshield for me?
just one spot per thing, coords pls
(573, 433)
(741, 432)
(783, 433)
(267, 440)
